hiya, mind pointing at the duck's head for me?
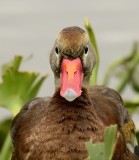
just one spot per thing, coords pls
(72, 60)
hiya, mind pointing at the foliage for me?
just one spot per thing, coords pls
(126, 71)
(94, 76)
(103, 150)
(17, 87)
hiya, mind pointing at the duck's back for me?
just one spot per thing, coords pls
(109, 106)
(111, 110)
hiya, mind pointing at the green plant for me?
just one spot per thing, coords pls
(17, 87)
(126, 71)
(104, 150)
(94, 76)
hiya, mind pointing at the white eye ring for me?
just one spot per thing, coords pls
(86, 50)
(56, 50)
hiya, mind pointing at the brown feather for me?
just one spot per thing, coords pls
(58, 129)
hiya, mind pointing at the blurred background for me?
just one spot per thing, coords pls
(30, 27)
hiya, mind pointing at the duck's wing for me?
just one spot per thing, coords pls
(28, 116)
(110, 108)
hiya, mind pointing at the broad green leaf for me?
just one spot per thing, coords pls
(18, 87)
(96, 151)
(110, 139)
(103, 150)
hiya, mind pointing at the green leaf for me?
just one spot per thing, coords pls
(18, 87)
(126, 67)
(110, 139)
(137, 134)
(34, 90)
(93, 79)
(96, 151)
(4, 129)
(104, 150)
(135, 79)
(133, 104)
(5, 153)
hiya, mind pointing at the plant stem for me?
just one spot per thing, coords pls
(126, 78)
(132, 103)
(5, 152)
(93, 79)
(117, 63)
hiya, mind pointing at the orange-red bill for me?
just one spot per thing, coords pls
(71, 77)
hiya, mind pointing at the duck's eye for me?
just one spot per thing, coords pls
(86, 50)
(56, 50)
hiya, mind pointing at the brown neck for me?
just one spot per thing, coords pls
(83, 102)
(80, 111)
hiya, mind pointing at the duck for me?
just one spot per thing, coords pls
(57, 127)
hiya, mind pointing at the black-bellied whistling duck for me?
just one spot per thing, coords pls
(57, 128)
